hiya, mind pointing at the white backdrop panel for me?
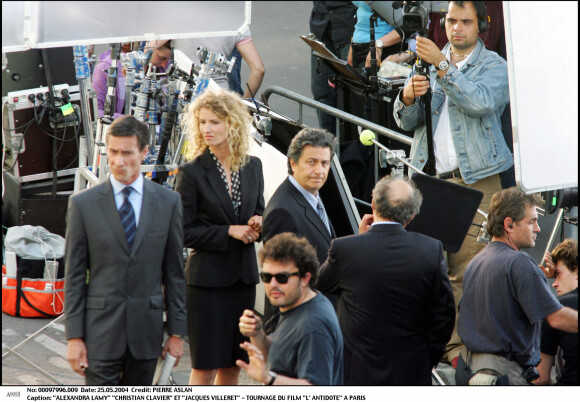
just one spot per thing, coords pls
(67, 23)
(543, 92)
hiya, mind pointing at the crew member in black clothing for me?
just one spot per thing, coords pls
(561, 264)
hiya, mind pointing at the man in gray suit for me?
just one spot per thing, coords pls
(123, 243)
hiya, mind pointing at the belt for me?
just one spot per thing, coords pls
(454, 174)
(508, 355)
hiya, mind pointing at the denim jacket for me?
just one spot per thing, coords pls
(478, 95)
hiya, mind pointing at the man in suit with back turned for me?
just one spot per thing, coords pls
(395, 304)
(125, 235)
(296, 205)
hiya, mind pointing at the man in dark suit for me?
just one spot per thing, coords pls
(296, 205)
(395, 306)
(123, 243)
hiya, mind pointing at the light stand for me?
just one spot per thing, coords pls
(25, 360)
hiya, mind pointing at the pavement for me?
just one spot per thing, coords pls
(48, 351)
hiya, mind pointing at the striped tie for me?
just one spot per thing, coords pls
(128, 217)
(322, 214)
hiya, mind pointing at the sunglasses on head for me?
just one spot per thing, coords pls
(280, 278)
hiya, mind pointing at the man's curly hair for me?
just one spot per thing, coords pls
(289, 248)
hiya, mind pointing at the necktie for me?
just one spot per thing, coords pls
(322, 214)
(128, 217)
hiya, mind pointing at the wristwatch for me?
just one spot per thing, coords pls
(444, 65)
(274, 376)
(379, 44)
(178, 336)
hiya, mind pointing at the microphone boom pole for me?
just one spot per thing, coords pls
(367, 137)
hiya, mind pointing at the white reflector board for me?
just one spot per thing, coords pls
(68, 23)
(543, 92)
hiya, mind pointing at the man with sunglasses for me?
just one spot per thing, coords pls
(306, 346)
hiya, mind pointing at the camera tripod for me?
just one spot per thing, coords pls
(421, 67)
(25, 360)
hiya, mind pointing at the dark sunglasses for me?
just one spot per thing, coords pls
(280, 278)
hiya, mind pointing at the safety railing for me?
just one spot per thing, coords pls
(339, 114)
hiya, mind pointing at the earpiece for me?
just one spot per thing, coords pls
(484, 24)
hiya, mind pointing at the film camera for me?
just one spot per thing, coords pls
(412, 16)
(416, 13)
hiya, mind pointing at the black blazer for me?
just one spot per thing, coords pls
(122, 304)
(217, 259)
(395, 306)
(289, 211)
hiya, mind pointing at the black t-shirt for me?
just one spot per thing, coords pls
(552, 338)
(307, 344)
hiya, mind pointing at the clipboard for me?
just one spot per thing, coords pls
(337, 65)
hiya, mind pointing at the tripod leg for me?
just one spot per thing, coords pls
(25, 360)
(31, 337)
(436, 377)
(555, 232)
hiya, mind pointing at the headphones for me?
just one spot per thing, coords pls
(483, 19)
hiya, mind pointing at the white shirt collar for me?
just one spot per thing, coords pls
(137, 185)
(311, 198)
(385, 223)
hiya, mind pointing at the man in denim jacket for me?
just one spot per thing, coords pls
(469, 93)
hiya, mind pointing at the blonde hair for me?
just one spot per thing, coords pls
(228, 106)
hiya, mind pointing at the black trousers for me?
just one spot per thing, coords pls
(123, 371)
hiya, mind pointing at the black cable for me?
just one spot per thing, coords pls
(19, 127)
(39, 122)
(55, 157)
(63, 140)
(25, 126)
(18, 153)
(76, 135)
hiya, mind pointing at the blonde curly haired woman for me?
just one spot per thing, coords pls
(222, 190)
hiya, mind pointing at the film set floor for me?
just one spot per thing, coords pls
(48, 351)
